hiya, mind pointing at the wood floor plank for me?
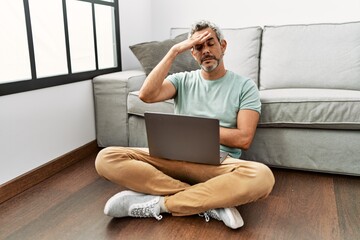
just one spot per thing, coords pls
(347, 191)
(301, 206)
(69, 205)
(33, 203)
(69, 217)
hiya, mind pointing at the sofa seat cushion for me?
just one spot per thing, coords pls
(296, 108)
(138, 107)
(310, 108)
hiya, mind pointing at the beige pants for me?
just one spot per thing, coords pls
(189, 188)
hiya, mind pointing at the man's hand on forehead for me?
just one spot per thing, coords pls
(201, 38)
(209, 42)
(195, 39)
(204, 38)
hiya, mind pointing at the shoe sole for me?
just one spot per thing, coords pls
(236, 220)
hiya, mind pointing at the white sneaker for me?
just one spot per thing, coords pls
(230, 216)
(133, 204)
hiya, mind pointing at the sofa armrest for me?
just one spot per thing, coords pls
(110, 96)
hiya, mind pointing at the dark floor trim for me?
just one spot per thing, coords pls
(39, 174)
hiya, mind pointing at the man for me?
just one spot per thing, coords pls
(183, 188)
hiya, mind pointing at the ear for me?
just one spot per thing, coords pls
(223, 45)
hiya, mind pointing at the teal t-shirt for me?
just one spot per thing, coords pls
(220, 99)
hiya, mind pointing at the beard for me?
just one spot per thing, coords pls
(211, 67)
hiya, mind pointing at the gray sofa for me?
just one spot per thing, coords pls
(309, 82)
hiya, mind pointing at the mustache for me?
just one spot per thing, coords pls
(208, 57)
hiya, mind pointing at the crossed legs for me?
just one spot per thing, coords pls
(188, 188)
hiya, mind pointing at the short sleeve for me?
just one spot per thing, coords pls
(250, 97)
(175, 78)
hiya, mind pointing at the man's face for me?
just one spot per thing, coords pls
(210, 53)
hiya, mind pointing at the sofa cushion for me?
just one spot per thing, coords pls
(243, 49)
(310, 108)
(138, 107)
(295, 108)
(311, 56)
(150, 54)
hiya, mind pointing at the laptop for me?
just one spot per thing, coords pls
(184, 138)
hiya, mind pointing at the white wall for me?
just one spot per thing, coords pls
(39, 126)
(244, 13)
(226, 13)
(135, 27)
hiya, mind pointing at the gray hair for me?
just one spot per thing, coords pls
(203, 24)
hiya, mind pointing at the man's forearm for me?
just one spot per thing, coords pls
(152, 85)
(234, 137)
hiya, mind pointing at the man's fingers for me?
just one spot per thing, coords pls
(192, 41)
(202, 37)
(205, 36)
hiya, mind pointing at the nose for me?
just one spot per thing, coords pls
(205, 50)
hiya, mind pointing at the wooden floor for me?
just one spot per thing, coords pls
(69, 205)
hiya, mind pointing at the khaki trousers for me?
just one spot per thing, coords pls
(189, 188)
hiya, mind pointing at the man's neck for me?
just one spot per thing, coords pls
(217, 73)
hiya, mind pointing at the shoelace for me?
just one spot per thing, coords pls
(209, 214)
(146, 211)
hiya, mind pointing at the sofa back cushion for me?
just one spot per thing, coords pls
(150, 54)
(243, 49)
(311, 56)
